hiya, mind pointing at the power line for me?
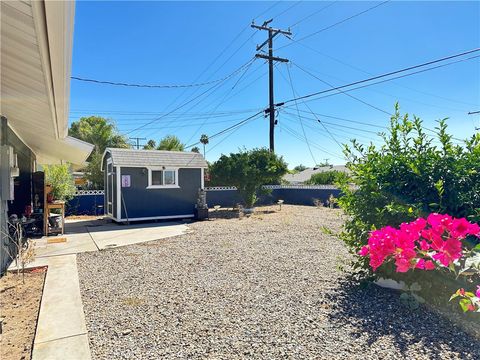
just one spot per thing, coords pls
(343, 92)
(389, 74)
(228, 128)
(287, 9)
(170, 86)
(343, 119)
(300, 118)
(335, 24)
(313, 14)
(375, 107)
(400, 85)
(180, 106)
(221, 102)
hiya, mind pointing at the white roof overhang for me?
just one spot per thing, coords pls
(36, 56)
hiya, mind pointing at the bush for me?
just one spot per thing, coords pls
(248, 171)
(410, 176)
(61, 179)
(327, 178)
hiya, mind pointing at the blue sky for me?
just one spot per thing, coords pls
(187, 42)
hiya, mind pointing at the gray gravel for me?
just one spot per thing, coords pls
(265, 287)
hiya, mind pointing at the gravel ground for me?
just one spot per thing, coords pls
(266, 287)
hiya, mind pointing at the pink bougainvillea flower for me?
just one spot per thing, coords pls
(439, 220)
(424, 245)
(470, 307)
(474, 229)
(429, 265)
(477, 293)
(403, 265)
(363, 251)
(448, 251)
(461, 292)
(420, 264)
(461, 227)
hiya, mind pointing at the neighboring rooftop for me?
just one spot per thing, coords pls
(305, 175)
(130, 157)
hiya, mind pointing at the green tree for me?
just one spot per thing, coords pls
(195, 149)
(150, 145)
(327, 178)
(299, 168)
(61, 179)
(248, 171)
(102, 133)
(171, 143)
(204, 140)
(98, 131)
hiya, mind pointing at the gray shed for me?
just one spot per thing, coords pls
(151, 184)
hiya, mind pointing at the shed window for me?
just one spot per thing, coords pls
(157, 177)
(162, 178)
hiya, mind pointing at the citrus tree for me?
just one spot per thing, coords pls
(248, 171)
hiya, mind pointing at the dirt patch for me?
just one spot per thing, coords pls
(19, 304)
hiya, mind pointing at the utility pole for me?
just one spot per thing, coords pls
(137, 141)
(271, 107)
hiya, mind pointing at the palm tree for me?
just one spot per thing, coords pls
(171, 143)
(102, 133)
(195, 149)
(150, 145)
(204, 141)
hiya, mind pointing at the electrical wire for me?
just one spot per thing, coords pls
(343, 92)
(371, 74)
(222, 101)
(313, 14)
(299, 117)
(335, 24)
(393, 73)
(228, 128)
(170, 86)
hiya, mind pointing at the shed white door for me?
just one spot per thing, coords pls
(109, 187)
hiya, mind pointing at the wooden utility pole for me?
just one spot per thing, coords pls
(271, 107)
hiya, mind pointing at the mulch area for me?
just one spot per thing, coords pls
(20, 305)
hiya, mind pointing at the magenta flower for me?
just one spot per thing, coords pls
(477, 293)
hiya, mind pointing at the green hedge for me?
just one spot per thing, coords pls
(411, 175)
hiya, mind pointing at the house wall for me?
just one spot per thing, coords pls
(22, 188)
(141, 202)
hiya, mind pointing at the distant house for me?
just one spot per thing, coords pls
(305, 175)
(151, 184)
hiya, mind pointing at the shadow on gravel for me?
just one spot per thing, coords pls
(370, 312)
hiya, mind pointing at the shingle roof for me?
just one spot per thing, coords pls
(306, 174)
(129, 157)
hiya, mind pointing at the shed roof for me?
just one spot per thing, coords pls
(130, 157)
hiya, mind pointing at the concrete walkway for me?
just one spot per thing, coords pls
(61, 330)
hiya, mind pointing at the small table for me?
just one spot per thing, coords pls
(49, 206)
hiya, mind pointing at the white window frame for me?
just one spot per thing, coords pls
(161, 168)
(109, 189)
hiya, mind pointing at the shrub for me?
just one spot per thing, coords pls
(61, 179)
(327, 178)
(248, 171)
(410, 176)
